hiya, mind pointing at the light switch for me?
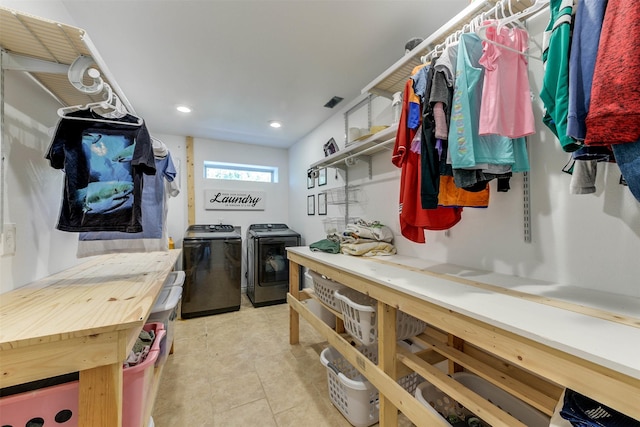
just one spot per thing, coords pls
(9, 239)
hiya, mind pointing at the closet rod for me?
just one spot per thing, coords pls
(397, 71)
(107, 73)
(465, 28)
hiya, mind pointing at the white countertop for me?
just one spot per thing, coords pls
(608, 343)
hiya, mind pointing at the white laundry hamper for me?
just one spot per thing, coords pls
(350, 392)
(359, 313)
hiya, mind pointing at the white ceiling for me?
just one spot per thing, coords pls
(239, 63)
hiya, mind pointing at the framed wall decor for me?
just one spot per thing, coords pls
(311, 179)
(311, 205)
(322, 203)
(330, 147)
(322, 177)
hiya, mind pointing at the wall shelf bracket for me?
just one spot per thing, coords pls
(12, 61)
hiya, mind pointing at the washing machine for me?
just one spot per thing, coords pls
(212, 263)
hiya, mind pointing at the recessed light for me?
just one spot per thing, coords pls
(275, 124)
(183, 109)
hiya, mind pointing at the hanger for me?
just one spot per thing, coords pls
(482, 34)
(111, 103)
(112, 106)
(516, 17)
(503, 20)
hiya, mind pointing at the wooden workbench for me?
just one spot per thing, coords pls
(531, 338)
(84, 319)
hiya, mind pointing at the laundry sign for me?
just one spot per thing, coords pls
(230, 200)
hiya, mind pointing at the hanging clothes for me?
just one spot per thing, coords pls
(555, 83)
(413, 219)
(437, 110)
(446, 63)
(429, 157)
(468, 149)
(582, 60)
(614, 115)
(104, 164)
(506, 97)
(585, 38)
(154, 236)
(628, 159)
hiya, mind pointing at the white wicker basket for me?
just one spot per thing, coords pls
(349, 391)
(336, 225)
(359, 315)
(432, 397)
(325, 288)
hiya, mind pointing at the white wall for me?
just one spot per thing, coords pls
(588, 241)
(33, 189)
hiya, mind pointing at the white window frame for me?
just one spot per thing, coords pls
(271, 170)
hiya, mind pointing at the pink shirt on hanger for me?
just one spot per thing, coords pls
(506, 100)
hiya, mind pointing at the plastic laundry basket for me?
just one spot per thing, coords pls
(359, 315)
(165, 310)
(58, 405)
(175, 278)
(432, 397)
(349, 391)
(325, 288)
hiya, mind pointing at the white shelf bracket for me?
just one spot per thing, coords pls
(352, 160)
(11, 61)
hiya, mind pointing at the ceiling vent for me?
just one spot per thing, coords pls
(333, 102)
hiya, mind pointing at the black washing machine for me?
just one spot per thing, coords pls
(212, 262)
(267, 264)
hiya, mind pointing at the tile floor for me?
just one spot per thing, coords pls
(238, 369)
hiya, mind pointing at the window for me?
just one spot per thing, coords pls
(238, 172)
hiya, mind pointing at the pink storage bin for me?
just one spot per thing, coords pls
(138, 380)
(58, 405)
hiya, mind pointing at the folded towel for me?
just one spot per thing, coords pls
(367, 230)
(369, 248)
(325, 245)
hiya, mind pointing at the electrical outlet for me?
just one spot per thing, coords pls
(9, 239)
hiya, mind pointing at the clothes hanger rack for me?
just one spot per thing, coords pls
(112, 105)
(537, 6)
(502, 7)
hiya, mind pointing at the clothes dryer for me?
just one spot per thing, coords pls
(267, 263)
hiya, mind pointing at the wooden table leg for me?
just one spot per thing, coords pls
(387, 359)
(100, 403)
(458, 344)
(294, 290)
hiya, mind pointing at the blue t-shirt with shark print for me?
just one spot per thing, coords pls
(103, 164)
